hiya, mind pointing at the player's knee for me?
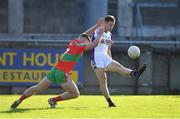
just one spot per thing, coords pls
(76, 94)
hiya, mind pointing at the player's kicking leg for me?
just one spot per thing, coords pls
(101, 75)
(117, 67)
(32, 90)
(71, 93)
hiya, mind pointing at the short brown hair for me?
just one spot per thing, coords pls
(85, 36)
(109, 18)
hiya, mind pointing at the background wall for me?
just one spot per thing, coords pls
(161, 76)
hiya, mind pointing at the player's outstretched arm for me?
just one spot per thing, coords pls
(90, 31)
(97, 40)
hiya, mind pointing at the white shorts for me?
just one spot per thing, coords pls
(101, 61)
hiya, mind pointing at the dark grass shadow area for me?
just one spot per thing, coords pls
(79, 108)
(22, 110)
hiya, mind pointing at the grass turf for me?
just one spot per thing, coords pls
(92, 107)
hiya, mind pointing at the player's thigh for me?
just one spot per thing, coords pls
(43, 84)
(114, 66)
(101, 73)
(70, 86)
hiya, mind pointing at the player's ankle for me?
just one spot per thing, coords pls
(19, 101)
(109, 100)
(133, 73)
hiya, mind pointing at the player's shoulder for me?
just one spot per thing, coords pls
(108, 33)
(73, 41)
(97, 30)
(77, 43)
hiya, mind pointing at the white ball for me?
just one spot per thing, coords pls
(134, 52)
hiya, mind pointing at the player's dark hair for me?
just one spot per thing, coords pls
(85, 36)
(109, 18)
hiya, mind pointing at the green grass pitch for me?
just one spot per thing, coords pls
(92, 107)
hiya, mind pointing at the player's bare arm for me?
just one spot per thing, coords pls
(90, 31)
(97, 40)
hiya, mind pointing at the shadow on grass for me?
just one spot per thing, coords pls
(79, 108)
(22, 110)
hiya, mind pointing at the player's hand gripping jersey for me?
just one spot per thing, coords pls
(99, 56)
(71, 56)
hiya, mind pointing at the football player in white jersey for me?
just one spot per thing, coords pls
(102, 61)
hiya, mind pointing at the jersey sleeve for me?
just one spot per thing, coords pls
(82, 46)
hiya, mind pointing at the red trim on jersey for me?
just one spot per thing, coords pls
(65, 66)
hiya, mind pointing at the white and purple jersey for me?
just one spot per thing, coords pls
(102, 48)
